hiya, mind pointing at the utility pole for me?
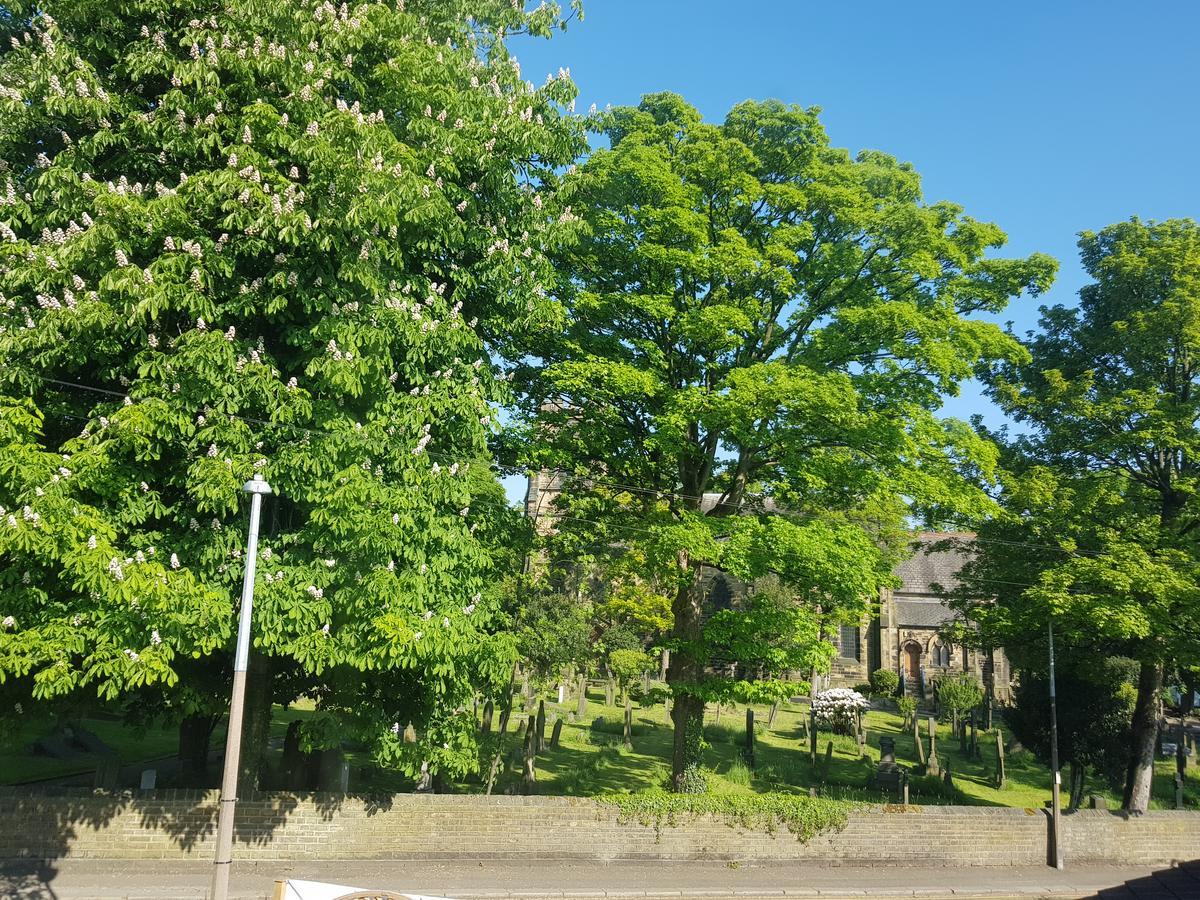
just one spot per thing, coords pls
(1055, 801)
(233, 739)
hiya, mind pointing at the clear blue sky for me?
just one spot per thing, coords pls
(1047, 118)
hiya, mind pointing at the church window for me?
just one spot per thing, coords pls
(848, 642)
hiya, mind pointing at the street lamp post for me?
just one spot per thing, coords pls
(1055, 801)
(256, 488)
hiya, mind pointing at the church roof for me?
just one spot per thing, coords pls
(933, 568)
(922, 614)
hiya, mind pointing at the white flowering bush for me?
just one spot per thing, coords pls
(287, 238)
(838, 709)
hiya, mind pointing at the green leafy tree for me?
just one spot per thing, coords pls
(959, 694)
(1106, 473)
(283, 239)
(627, 667)
(759, 317)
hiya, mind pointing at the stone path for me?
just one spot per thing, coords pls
(81, 879)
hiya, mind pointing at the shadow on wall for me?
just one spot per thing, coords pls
(38, 828)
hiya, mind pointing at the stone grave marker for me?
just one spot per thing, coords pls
(932, 767)
(1000, 773)
(149, 778)
(556, 734)
(108, 774)
(489, 710)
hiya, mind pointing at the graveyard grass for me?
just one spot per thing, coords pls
(591, 761)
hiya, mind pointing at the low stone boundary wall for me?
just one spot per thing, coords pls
(182, 824)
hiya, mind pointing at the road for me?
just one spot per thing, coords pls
(81, 879)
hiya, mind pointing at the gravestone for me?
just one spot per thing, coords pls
(932, 767)
(489, 710)
(556, 734)
(410, 734)
(562, 693)
(1178, 791)
(424, 780)
(920, 744)
(1097, 802)
(828, 759)
(540, 725)
(975, 754)
(888, 775)
(772, 714)
(292, 764)
(529, 775)
(149, 777)
(108, 774)
(947, 779)
(1000, 773)
(748, 750)
(505, 715)
(812, 737)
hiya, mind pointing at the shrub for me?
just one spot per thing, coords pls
(864, 688)
(885, 682)
(959, 693)
(908, 706)
(838, 709)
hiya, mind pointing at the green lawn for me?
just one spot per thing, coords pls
(130, 745)
(591, 761)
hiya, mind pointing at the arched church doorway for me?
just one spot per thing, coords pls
(912, 660)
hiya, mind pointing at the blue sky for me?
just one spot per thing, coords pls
(1047, 118)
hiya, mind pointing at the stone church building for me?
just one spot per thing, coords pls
(905, 634)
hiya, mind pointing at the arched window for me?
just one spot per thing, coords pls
(941, 655)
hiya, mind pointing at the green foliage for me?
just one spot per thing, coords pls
(755, 315)
(884, 682)
(738, 773)
(907, 705)
(284, 239)
(805, 817)
(1094, 714)
(958, 694)
(629, 665)
(1099, 512)
(553, 630)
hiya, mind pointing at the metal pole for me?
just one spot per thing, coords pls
(1055, 801)
(233, 739)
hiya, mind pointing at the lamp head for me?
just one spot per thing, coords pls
(257, 485)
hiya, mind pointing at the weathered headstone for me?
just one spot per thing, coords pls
(149, 777)
(489, 710)
(932, 767)
(1001, 778)
(975, 754)
(917, 740)
(1178, 791)
(947, 779)
(1096, 801)
(888, 775)
(424, 780)
(812, 737)
(610, 691)
(862, 742)
(904, 788)
(505, 715)
(529, 776)
(581, 703)
(556, 734)
(410, 734)
(772, 714)
(562, 693)
(108, 774)
(748, 751)
(540, 724)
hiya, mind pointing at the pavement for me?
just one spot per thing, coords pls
(83, 879)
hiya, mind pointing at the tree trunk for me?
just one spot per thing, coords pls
(684, 674)
(195, 738)
(1078, 779)
(256, 725)
(1145, 731)
(529, 777)
(489, 710)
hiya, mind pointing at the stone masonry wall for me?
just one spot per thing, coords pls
(181, 825)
